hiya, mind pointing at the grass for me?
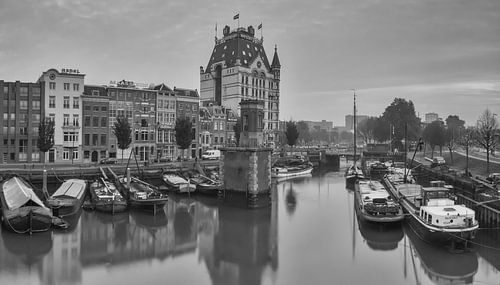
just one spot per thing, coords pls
(476, 166)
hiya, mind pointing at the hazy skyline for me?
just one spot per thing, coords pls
(443, 55)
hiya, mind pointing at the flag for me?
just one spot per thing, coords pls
(237, 16)
(259, 27)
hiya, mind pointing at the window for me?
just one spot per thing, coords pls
(52, 85)
(70, 136)
(76, 102)
(95, 93)
(23, 91)
(52, 117)
(95, 121)
(6, 90)
(66, 86)
(75, 154)
(86, 121)
(103, 139)
(104, 108)
(76, 86)
(94, 139)
(66, 120)
(104, 121)
(86, 139)
(76, 122)
(23, 105)
(65, 154)
(86, 154)
(35, 104)
(66, 102)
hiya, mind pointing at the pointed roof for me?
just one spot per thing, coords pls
(238, 45)
(276, 60)
(162, 87)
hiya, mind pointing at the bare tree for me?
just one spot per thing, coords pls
(486, 129)
(466, 139)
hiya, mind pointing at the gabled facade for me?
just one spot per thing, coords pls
(96, 130)
(239, 69)
(166, 147)
(63, 91)
(187, 104)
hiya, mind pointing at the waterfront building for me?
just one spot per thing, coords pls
(21, 109)
(239, 69)
(206, 128)
(231, 120)
(138, 105)
(165, 118)
(95, 127)
(62, 104)
(187, 105)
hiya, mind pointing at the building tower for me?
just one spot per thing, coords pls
(239, 69)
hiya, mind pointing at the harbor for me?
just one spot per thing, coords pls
(204, 240)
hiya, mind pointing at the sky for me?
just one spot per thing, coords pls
(444, 55)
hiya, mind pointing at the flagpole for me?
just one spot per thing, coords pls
(238, 21)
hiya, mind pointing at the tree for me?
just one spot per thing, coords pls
(435, 135)
(381, 131)
(303, 130)
(291, 133)
(486, 129)
(466, 139)
(45, 139)
(366, 129)
(183, 133)
(123, 133)
(399, 114)
(454, 126)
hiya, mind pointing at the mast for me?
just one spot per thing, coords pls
(354, 124)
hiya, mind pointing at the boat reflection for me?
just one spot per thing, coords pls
(488, 246)
(438, 263)
(29, 249)
(381, 236)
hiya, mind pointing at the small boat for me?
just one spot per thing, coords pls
(68, 198)
(353, 173)
(374, 203)
(141, 194)
(291, 170)
(178, 183)
(106, 197)
(22, 210)
(204, 184)
(432, 212)
(377, 170)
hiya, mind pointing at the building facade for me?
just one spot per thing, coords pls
(95, 127)
(138, 105)
(239, 69)
(22, 109)
(431, 117)
(62, 104)
(165, 118)
(188, 103)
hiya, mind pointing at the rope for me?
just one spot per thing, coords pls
(57, 177)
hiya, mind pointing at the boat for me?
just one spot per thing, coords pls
(353, 172)
(178, 183)
(106, 197)
(432, 212)
(291, 170)
(68, 198)
(22, 209)
(142, 195)
(377, 170)
(204, 184)
(374, 203)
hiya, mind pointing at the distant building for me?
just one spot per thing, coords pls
(239, 69)
(431, 117)
(22, 110)
(349, 120)
(63, 91)
(321, 125)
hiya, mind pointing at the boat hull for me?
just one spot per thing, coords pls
(62, 207)
(111, 206)
(149, 204)
(27, 220)
(292, 173)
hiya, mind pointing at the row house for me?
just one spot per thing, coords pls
(62, 104)
(95, 128)
(138, 105)
(216, 126)
(165, 118)
(187, 104)
(22, 108)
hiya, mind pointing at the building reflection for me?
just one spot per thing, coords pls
(438, 263)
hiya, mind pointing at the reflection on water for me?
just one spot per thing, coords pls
(309, 234)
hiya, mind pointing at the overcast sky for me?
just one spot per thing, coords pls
(444, 55)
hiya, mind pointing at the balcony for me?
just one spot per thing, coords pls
(70, 127)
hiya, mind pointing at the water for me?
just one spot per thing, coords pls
(310, 235)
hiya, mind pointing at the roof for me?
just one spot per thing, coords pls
(17, 193)
(186, 92)
(276, 59)
(238, 44)
(162, 87)
(74, 188)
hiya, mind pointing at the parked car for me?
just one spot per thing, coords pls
(438, 160)
(108, 161)
(493, 178)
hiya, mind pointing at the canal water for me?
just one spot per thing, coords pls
(308, 235)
